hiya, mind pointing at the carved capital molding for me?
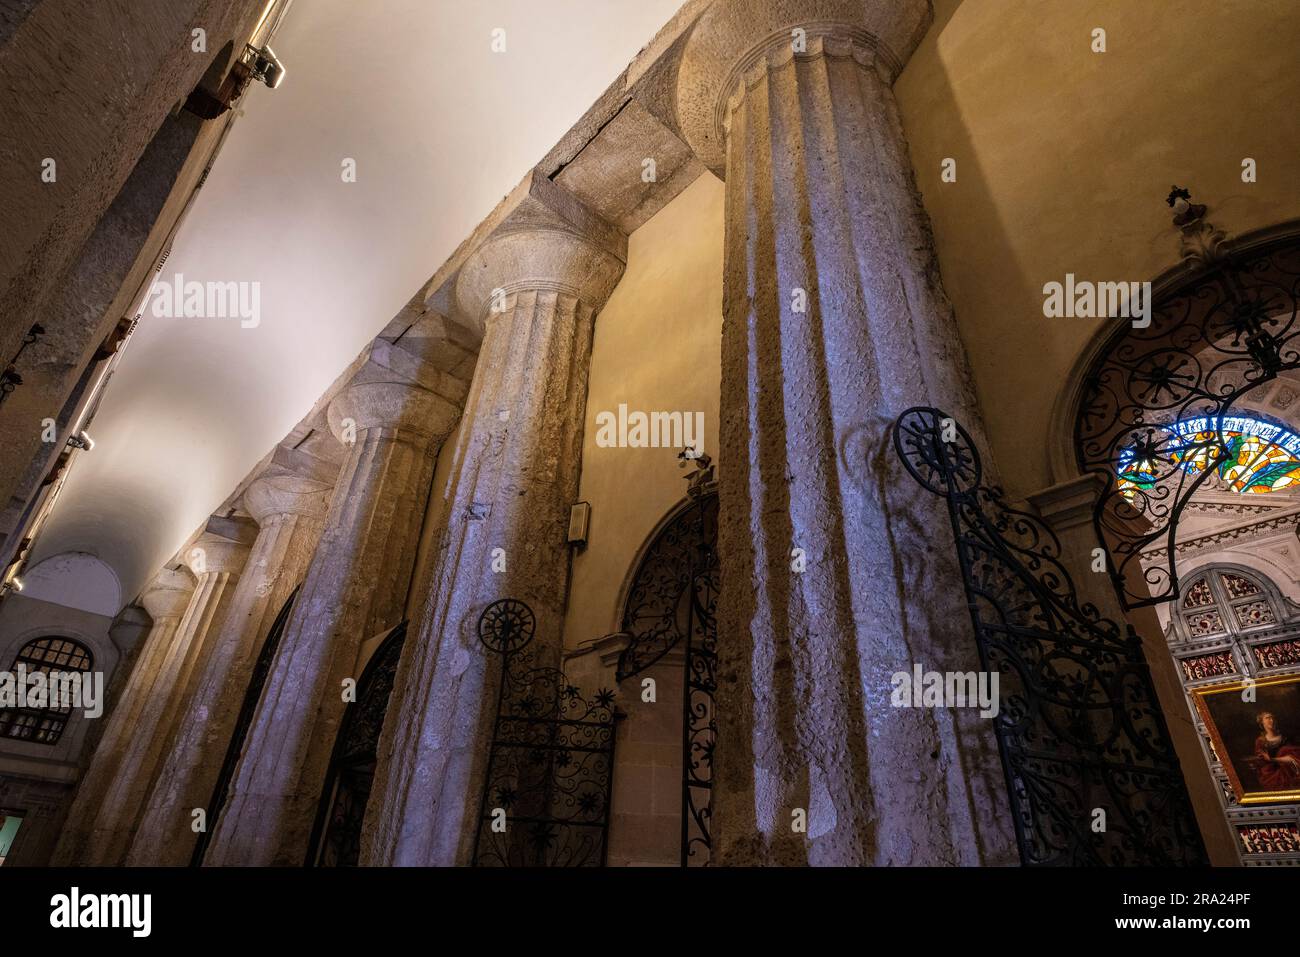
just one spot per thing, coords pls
(211, 554)
(395, 406)
(168, 594)
(539, 238)
(540, 258)
(286, 494)
(735, 42)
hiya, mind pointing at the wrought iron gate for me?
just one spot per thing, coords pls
(336, 835)
(550, 768)
(235, 749)
(1080, 729)
(673, 601)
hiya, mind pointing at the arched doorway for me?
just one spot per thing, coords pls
(671, 606)
(1155, 411)
(336, 837)
(1188, 422)
(247, 710)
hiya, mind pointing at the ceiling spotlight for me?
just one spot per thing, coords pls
(263, 64)
(16, 583)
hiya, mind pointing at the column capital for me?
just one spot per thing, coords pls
(168, 594)
(540, 237)
(285, 493)
(398, 406)
(734, 38)
(213, 554)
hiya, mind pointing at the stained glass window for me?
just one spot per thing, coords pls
(44, 725)
(1257, 456)
(1223, 602)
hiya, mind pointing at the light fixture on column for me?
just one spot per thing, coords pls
(263, 65)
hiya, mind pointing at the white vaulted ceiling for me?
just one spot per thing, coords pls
(440, 128)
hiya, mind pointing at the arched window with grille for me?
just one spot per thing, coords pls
(45, 655)
(1226, 602)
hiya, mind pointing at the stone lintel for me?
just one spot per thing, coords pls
(235, 529)
(286, 460)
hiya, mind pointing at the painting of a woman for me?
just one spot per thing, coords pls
(1276, 760)
(1250, 723)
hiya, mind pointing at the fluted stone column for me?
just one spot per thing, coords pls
(516, 474)
(290, 511)
(355, 587)
(835, 321)
(216, 563)
(165, 599)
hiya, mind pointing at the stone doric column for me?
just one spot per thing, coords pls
(216, 562)
(392, 417)
(165, 599)
(289, 509)
(834, 322)
(534, 286)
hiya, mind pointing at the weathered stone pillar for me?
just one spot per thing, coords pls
(216, 562)
(166, 599)
(837, 570)
(289, 510)
(394, 424)
(535, 284)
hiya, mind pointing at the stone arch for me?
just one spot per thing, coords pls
(668, 617)
(1060, 442)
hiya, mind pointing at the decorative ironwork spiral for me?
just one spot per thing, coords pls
(936, 451)
(506, 625)
(1227, 328)
(1079, 725)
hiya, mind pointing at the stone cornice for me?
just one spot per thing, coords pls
(1271, 524)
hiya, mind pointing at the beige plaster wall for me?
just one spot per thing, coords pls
(1065, 156)
(657, 348)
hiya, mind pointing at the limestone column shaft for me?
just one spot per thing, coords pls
(166, 599)
(290, 513)
(216, 563)
(835, 321)
(355, 588)
(514, 478)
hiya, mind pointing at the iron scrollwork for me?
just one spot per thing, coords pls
(336, 837)
(550, 767)
(1228, 329)
(1079, 727)
(674, 601)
